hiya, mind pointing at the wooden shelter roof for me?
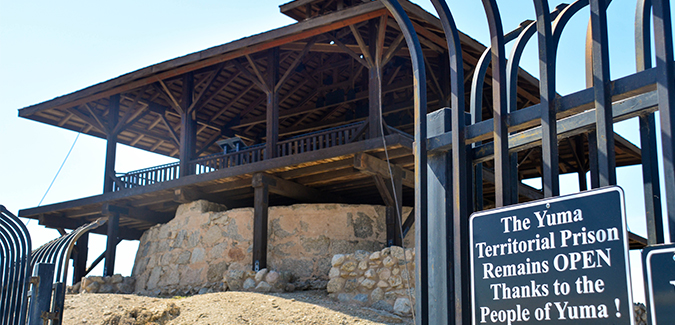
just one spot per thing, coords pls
(324, 84)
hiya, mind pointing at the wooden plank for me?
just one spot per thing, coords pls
(374, 166)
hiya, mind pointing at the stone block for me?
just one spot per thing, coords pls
(117, 278)
(334, 272)
(337, 260)
(363, 265)
(388, 261)
(375, 256)
(272, 277)
(335, 285)
(348, 266)
(397, 252)
(368, 284)
(183, 258)
(260, 276)
(361, 298)
(402, 306)
(377, 294)
(249, 284)
(384, 274)
(350, 285)
(263, 287)
(197, 255)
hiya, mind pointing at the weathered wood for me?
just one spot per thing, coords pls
(272, 130)
(393, 141)
(260, 221)
(374, 166)
(188, 127)
(290, 189)
(111, 144)
(111, 243)
(80, 258)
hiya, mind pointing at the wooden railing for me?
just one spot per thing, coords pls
(147, 176)
(296, 145)
(217, 161)
(322, 139)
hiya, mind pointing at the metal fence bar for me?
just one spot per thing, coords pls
(499, 105)
(41, 294)
(15, 250)
(650, 170)
(663, 36)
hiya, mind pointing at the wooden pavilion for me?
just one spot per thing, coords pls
(309, 112)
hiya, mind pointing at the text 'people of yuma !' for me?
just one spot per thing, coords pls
(546, 243)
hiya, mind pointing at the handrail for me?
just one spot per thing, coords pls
(307, 142)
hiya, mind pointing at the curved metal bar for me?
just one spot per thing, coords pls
(549, 133)
(420, 115)
(457, 277)
(665, 87)
(499, 107)
(58, 251)
(454, 53)
(564, 17)
(643, 49)
(605, 155)
(16, 245)
(650, 171)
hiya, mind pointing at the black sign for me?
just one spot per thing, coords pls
(562, 260)
(659, 272)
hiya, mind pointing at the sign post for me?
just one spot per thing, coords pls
(659, 273)
(562, 260)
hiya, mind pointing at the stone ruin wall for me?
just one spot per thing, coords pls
(195, 251)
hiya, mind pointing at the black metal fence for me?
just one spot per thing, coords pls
(15, 271)
(447, 190)
(33, 283)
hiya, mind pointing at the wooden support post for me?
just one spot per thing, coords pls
(260, 216)
(188, 129)
(392, 197)
(111, 144)
(272, 103)
(440, 221)
(111, 243)
(80, 260)
(374, 85)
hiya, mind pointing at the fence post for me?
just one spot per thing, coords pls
(41, 294)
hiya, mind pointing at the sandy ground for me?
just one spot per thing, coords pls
(304, 307)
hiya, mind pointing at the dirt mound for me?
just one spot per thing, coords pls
(231, 307)
(144, 316)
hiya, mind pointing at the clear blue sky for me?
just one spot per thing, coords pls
(48, 49)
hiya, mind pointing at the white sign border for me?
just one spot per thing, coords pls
(553, 200)
(650, 285)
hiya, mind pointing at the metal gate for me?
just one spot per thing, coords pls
(443, 290)
(33, 283)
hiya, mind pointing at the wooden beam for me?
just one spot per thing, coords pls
(272, 129)
(349, 51)
(374, 166)
(216, 55)
(111, 144)
(295, 63)
(260, 222)
(111, 243)
(188, 136)
(196, 104)
(291, 189)
(166, 93)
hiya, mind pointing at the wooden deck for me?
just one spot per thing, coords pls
(322, 175)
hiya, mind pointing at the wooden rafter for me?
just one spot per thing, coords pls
(295, 63)
(168, 96)
(349, 51)
(258, 82)
(362, 44)
(196, 103)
